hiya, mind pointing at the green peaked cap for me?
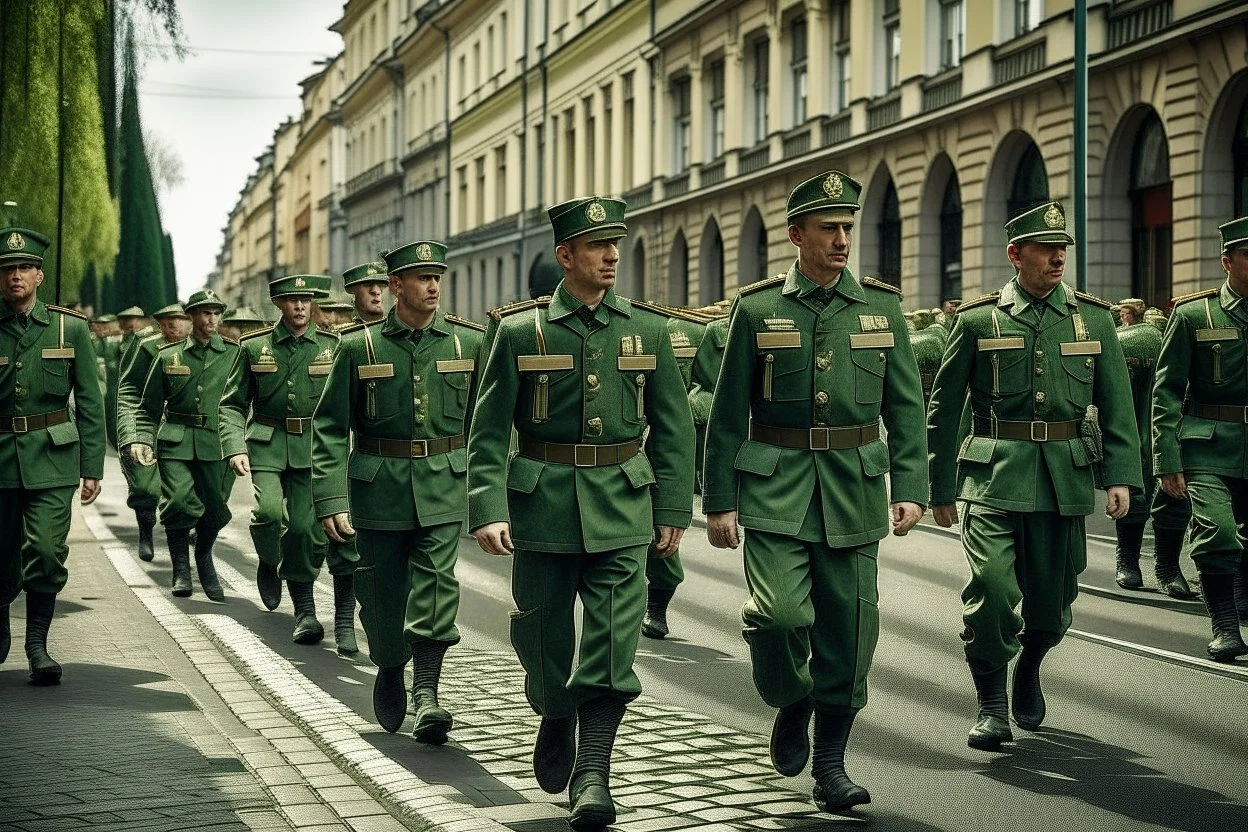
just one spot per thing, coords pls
(243, 315)
(1046, 223)
(374, 272)
(173, 310)
(294, 285)
(132, 312)
(1234, 234)
(21, 245)
(205, 298)
(426, 255)
(104, 319)
(594, 217)
(829, 191)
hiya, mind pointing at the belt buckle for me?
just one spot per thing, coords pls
(1043, 435)
(22, 421)
(579, 450)
(420, 448)
(294, 425)
(819, 439)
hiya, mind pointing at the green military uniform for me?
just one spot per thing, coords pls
(1200, 428)
(142, 481)
(108, 350)
(273, 388)
(179, 416)
(794, 447)
(581, 386)
(45, 357)
(362, 275)
(1046, 380)
(389, 443)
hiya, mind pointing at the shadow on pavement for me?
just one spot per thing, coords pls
(445, 764)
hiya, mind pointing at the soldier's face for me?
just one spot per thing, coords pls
(1040, 266)
(589, 264)
(19, 281)
(204, 322)
(368, 299)
(823, 242)
(296, 311)
(1235, 263)
(129, 324)
(174, 329)
(416, 293)
(1126, 316)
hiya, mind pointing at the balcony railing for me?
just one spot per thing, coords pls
(1140, 22)
(755, 159)
(676, 185)
(942, 94)
(797, 143)
(370, 177)
(883, 113)
(1011, 67)
(639, 197)
(714, 173)
(837, 130)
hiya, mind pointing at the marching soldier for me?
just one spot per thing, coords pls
(581, 375)
(266, 432)
(367, 282)
(178, 415)
(1130, 311)
(815, 358)
(108, 352)
(46, 356)
(143, 481)
(332, 314)
(1046, 380)
(392, 424)
(1200, 431)
(235, 323)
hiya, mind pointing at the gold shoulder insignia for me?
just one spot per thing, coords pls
(171, 346)
(65, 311)
(253, 334)
(355, 327)
(979, 301)
(880, 284)
(762, 284)
(656, 308)
(1094, 300)
(148, 338)
(328, 333)
(519, 306)
(1204, 293)
(229, 340)
(464, 322)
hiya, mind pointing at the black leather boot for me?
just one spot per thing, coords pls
(1241, 589)
(554, 752)
(269, 586)
(344, 614)
(307, 629)
(433, 722)
(40, 609)
(1219, 592)
(180, 553)
(654, 625)
(1167, 546)
(590, 791)
(147, 523)
(1127, 556)
(790, 737)
(834, 791)
(205, 567)
(1028, 698)
(6, 633)
(390, 698)
(993, 725)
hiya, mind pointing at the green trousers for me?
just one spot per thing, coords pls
(143, 484)
(665, 573)
(405, 582)
(545, 587)
(285, 530)
(34, 525)
(1014, 556)
(1219, 529)
(194, 490)
(1166, 512)
(812, 620)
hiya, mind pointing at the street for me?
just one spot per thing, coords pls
(1142, 732)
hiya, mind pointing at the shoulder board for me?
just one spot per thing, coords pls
(880, 284)
(230, 340)
(464, 322)
(1094, 300)
(254, 334)
(519, 306)
(65, 311)
(351, 328)
(979, 301)
(656, 308)
(1206, 293)
(171, 346)
(328, 333)
(149, 338)
(762, 284)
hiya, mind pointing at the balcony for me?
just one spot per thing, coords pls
(639, 197)
(1130, 25)
(837, 129)
(883, 113)
(796, 143)
(374, 176)
(714, 173)
(1015, 65)
(676, 185)
(756, 159)
(942, 93)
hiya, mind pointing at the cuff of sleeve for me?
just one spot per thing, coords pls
(712, 503)
(483, 514)
(674, 517)
(330, 506)
(1166, 464)
(233, 449)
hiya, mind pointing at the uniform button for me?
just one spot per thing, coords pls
(1039, 371)
(822, 363)
(821, 397)
(821, 424)
(19, 365)
(592, 378)
(290, 396)
(420, 420)
(199, 387)
(416, 379)
(883, 355)
(1039, 353)
(289, 383)
(1040, 397)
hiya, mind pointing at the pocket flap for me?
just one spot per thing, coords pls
(778, 340)
(259, 433)
(632, 363)
(757, 458)
(1078, 453)
(458, 365)
(977, 449)
(1081, 347)
(874, 456)
(524, 474)
(458, 460)
(66, 433)
(264, 368)
(170, 432)
(321, 369)
(363, 466)
(638, 471)
(58, 352)
(1195, 428)
(873, 362)
(367, 371)
(988, 344)
(871, 340)
(543, 363)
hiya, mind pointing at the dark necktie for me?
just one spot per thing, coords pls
(416, 335)
(588, 318)
(822, 296)
(23, 320)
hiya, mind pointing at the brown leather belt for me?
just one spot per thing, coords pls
(1220, 412)
(408, 448)
(36, 421)
(291, 424)
(195, 420)
(1029, 431)
(582, 456)
(816, 439)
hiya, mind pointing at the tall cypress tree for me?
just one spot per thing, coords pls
(171, 273)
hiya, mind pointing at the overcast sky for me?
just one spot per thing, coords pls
(217, 109)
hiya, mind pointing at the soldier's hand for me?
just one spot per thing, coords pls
(1117, 501)
(241, 464)
(721, 529)
(946, 515)
(905, 515)
(142, 454)
(668, 542)
(495, 539)
(90, 490)
(337, 526)
(1175, 485)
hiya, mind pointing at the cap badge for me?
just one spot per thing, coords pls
(833, 186)
(300, 283)
(1053, 217)
(595, 212)
(424, 251)
(16, 242)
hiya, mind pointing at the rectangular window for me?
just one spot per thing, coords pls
(682, 126)
(608, 143)
(629, 115)
(502, 35)
(500, 182)
(489, 52)
(1026, 16)
(591, 137)
(462, 213)
(798, 66)
(718, 122)
(480, 219)
(463, 80)
(762, 61)
(952, 32)
(892, 55)
(569, 154)
(476, 66)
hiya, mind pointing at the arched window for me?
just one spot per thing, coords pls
(1239, 150)
(1031, 183)
(1151, 235)
(951, 241)
(678, 272)
(711, 265)
(752, 254)
(890, 237)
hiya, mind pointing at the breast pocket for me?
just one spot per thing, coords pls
(1080, 371)
(455, 384)
(635, 374)
(784, 375)
(870, 364)
(1003, 371)
(381, 397)
(543, 385)
(56, 381)
(1216, 361)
